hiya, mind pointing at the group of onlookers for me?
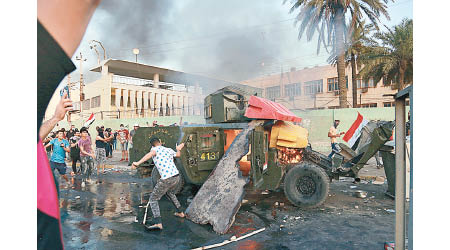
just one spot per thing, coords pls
(76, 146)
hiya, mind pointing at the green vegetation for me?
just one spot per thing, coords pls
(327, 18)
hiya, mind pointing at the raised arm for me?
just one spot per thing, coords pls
(144, 159)
(63, 106)
(179, 147)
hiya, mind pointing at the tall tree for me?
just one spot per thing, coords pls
(354, 48)
(327, 17)
(390, 56)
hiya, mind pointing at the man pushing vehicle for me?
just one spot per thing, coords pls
(170, 177)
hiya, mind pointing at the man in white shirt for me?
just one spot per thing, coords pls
(334, 134)
(163, 160)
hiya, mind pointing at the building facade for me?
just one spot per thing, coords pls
(317, 88)
(130, 90)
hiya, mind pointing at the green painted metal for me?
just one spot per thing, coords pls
(226, 105)
(379, 137)
(273, 176)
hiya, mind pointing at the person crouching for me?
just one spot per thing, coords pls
(170, 177)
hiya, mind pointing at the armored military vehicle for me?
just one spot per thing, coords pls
(278, 153)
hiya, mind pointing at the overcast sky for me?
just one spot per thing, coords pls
(232, 40)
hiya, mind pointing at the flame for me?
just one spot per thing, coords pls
(289, 155)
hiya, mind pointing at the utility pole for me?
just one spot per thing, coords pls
(81, 59)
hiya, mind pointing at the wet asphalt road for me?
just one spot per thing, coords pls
(101, 216)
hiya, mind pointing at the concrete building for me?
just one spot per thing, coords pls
(133, 90)
(317, 88)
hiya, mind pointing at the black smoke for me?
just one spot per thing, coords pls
(233, 40)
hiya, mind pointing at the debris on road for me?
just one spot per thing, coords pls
(232, 239)
(389, 210)
(378, 181)
(361, 194)
(353, 187)
(77, 197)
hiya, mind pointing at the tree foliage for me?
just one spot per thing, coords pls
(389, 56)
(327, 19)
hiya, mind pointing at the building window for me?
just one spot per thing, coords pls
(407, 103)
(365, 84)
(87, 104)
(388, 104)
(113, 100)
(208, 111)
(95, 102)
(333, 84)
(273, 92)
(313, 87)
(369, 105)
(293, 89)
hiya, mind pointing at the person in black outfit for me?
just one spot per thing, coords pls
(75, 152)
(100, 152)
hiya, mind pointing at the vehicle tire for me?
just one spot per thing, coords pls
(306, 185)
(156, 177)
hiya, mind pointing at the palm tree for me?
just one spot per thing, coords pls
(393, 59)
(327, 17)
(354, 49)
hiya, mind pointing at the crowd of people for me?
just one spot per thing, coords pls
(75, 145)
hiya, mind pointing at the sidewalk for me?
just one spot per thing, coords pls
(371, 172)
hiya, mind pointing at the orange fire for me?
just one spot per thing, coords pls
(289, 155)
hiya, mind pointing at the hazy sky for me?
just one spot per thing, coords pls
(231, 40)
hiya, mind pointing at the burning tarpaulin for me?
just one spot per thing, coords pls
(289, 139)
(287, 134)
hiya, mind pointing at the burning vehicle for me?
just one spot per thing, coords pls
(248, 139)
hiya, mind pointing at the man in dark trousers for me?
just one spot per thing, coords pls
(170, 177)
(334, 134)
(75, 151)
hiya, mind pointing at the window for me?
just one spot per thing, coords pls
(333, 84)
(113, 100)
(207, 141)
(208, 110)
(369, 105)
(273, 92)
(365, 84)
(86, 104)
(95, 102)
(388, 104)
(313, 87)
(293, 89)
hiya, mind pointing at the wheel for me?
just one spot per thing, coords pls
(156, 177)
(306, 185)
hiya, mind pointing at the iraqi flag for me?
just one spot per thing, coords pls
(89, 121)
(355, 130)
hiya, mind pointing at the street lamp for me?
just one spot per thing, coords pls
(136, 52)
